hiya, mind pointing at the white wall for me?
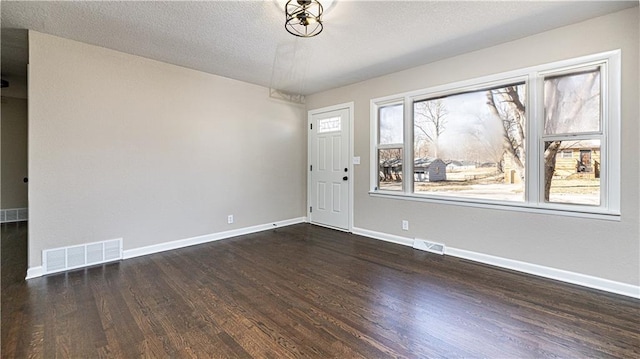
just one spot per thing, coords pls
(123, 146)
(599, 248)
(14, 153)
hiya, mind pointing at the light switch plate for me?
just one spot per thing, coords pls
(356, 160)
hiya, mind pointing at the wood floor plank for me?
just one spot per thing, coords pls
(304, 292)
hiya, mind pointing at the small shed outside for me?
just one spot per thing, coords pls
(421, 169)
(437, 171)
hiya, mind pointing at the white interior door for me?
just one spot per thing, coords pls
(329, 168)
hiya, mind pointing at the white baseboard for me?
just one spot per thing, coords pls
(584, 280)
(34, 272)
(383, 236)
(166, 246)
(535, 269)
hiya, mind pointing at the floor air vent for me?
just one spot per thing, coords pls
(84, 255)
(432, 247)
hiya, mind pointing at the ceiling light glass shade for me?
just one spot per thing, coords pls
(303, 17)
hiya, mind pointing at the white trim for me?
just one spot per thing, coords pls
(383, 236)
(613, 130)
(373, 143)
(34, 272)
(496, 78)
(529, 268)
(375, 146)
(181, 243)
(407, 151)
(556, 209)
(330, 227)
(343, 106)
(38, 271)
(548, 272)
(352, 175)
(584, 280)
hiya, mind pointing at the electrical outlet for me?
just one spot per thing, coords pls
(405, 225)
(230, 219)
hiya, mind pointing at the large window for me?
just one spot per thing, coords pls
(545, 138)
(471, 144)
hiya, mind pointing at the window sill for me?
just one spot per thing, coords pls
(590, 213)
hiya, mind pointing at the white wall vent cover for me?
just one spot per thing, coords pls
(425, 245)
(14, 215)
(83, 255)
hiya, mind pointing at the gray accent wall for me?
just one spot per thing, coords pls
(125, 147)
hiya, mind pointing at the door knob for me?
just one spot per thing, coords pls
(345, 178)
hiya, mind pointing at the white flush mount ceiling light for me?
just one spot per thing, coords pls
(303, 17)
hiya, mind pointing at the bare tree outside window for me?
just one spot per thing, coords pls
(572, 103)
(507, 106)
(488, 138)
(475, 134)
(430, 121)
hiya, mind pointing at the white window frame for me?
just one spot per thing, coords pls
(533, 77)
(375, 135)
(600, 134)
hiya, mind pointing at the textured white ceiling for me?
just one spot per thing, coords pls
(246, 40)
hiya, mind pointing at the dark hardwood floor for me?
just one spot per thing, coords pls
(305, 291)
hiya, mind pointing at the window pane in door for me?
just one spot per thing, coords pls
(329, 124)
